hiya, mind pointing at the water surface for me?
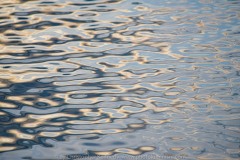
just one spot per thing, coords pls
(154, 79)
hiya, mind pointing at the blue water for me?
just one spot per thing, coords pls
(120, 79)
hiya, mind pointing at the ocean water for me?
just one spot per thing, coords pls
(119, 79)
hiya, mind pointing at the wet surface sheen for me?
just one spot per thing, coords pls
(119, 77)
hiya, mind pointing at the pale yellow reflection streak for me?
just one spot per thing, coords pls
(103, 153)
(50, 116)
(5, 148)
(38, 120)
(153, 121)
(129, 151)
(147, 148)
(2, 83)
(21, 135)
(136, 125)
(131, 109)
(7, 140)
(2, 113)
(50, 134)
(176, 148)
(38, 123)
(7, 105)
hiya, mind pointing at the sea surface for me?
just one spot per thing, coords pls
(120, 79)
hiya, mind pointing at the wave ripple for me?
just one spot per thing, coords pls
(119, 78)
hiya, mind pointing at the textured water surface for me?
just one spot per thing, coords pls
(142, 79)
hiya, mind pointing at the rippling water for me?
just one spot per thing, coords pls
(154, 78)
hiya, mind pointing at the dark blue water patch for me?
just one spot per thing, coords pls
(91, 144)
(74, 37)
(87, 95)
(13, 42)
(102, 116)
(25, 13)
(47, 2)
(16, 38)
(42, 104)
(90, 4)
(58, 99)
(46, 93)
(5, 119)
(58, 41)
(100, 28)
(60, 119)
(87, 15)
(77, 21)
(136, 3)
(91, 138)
(3, 18)
(71, 111)
(67, 70)
(22, 88)
(6, 27)
(73, 26)
(58, 13)
(102, 6)
(38, 26)
(6, 66)
(11, 34)
(8, 126)
(27, 158)
(91, 68)
(43, 142)
(24, 1)
(117, 143)
(33, 51)
(40, 68)
(26, 144)
(101, 10)
(108, 65)
(2, 96)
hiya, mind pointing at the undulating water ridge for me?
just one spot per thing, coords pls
(133, 78)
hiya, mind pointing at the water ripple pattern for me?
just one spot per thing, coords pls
(113, 78)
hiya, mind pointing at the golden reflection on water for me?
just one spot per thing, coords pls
(20, 135)
(119, 77)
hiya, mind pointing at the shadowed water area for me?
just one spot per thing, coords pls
(119, 79)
